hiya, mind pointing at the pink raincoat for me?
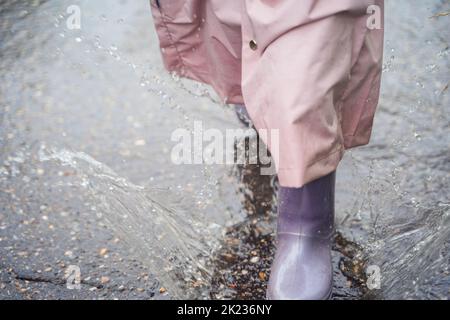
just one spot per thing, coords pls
(309, 68)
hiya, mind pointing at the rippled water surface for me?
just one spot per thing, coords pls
(86, 120)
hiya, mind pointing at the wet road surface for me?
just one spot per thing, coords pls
(86, 179)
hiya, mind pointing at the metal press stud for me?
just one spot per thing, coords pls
(253, 45)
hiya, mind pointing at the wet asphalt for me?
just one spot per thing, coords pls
(102, 91)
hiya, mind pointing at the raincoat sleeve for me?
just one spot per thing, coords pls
(311, 70)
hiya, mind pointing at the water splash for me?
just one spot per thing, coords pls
(176, 245)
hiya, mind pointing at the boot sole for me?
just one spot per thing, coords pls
(326, 297)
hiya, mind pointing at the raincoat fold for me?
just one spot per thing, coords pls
(310, 69)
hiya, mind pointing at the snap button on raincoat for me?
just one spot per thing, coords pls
(309, 68)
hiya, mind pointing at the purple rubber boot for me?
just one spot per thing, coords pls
(302, 268)
(242, 114)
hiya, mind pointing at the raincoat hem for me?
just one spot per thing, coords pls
(293, 178)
